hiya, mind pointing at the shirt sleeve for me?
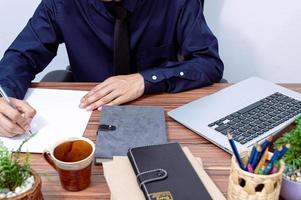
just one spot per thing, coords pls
(31, 52)
(201, 65)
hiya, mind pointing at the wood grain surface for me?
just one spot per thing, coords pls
(216, 161)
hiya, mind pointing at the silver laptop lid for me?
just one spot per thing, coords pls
(198, 114)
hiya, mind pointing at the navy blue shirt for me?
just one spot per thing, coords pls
(161, 32)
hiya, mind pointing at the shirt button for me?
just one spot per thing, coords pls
(181, 73)
(154, 77)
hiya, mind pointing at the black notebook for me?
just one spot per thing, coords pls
(164, 172)
(124, 127)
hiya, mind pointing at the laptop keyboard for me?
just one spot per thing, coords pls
(258, 118)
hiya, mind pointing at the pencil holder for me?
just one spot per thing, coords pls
(244, 185)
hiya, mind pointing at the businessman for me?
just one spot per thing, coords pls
(131, 47)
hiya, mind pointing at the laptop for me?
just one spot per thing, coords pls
(251, 110)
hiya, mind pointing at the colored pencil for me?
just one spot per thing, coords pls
(251, 157)
(256, 155)
(235, 152)
(271, 162)
(250, 168)
(264, 147)
(283, 151)
(262, 160)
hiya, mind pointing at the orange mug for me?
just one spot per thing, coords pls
(72, 159)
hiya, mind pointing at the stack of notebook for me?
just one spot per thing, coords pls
(163, 172)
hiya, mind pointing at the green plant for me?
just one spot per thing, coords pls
(13, 170)
(293, 155)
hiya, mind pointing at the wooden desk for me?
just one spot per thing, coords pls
(216, 161)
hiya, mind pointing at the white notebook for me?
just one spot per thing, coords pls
(58, 117)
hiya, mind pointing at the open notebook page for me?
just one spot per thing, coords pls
(58, 117)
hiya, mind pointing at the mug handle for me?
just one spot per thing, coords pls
(47, 157)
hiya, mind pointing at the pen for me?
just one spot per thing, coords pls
(6, 98)
(236, 154)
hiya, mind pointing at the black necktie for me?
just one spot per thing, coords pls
(122, 60)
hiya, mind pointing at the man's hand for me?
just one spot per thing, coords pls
(115, 90)
(15, 121)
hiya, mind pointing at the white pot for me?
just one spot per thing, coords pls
(290, 190)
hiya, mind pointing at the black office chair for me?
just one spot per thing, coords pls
(59, 76)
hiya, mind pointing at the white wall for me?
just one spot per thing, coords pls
(14, 15)
(257, 37)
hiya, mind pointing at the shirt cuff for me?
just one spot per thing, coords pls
(154, 82)
(9, 92)
(150, 88)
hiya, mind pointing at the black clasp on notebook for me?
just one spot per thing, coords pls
(105, 127)
(151, 176)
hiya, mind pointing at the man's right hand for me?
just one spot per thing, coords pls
(15, 121)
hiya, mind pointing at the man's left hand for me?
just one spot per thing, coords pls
(115, 90)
